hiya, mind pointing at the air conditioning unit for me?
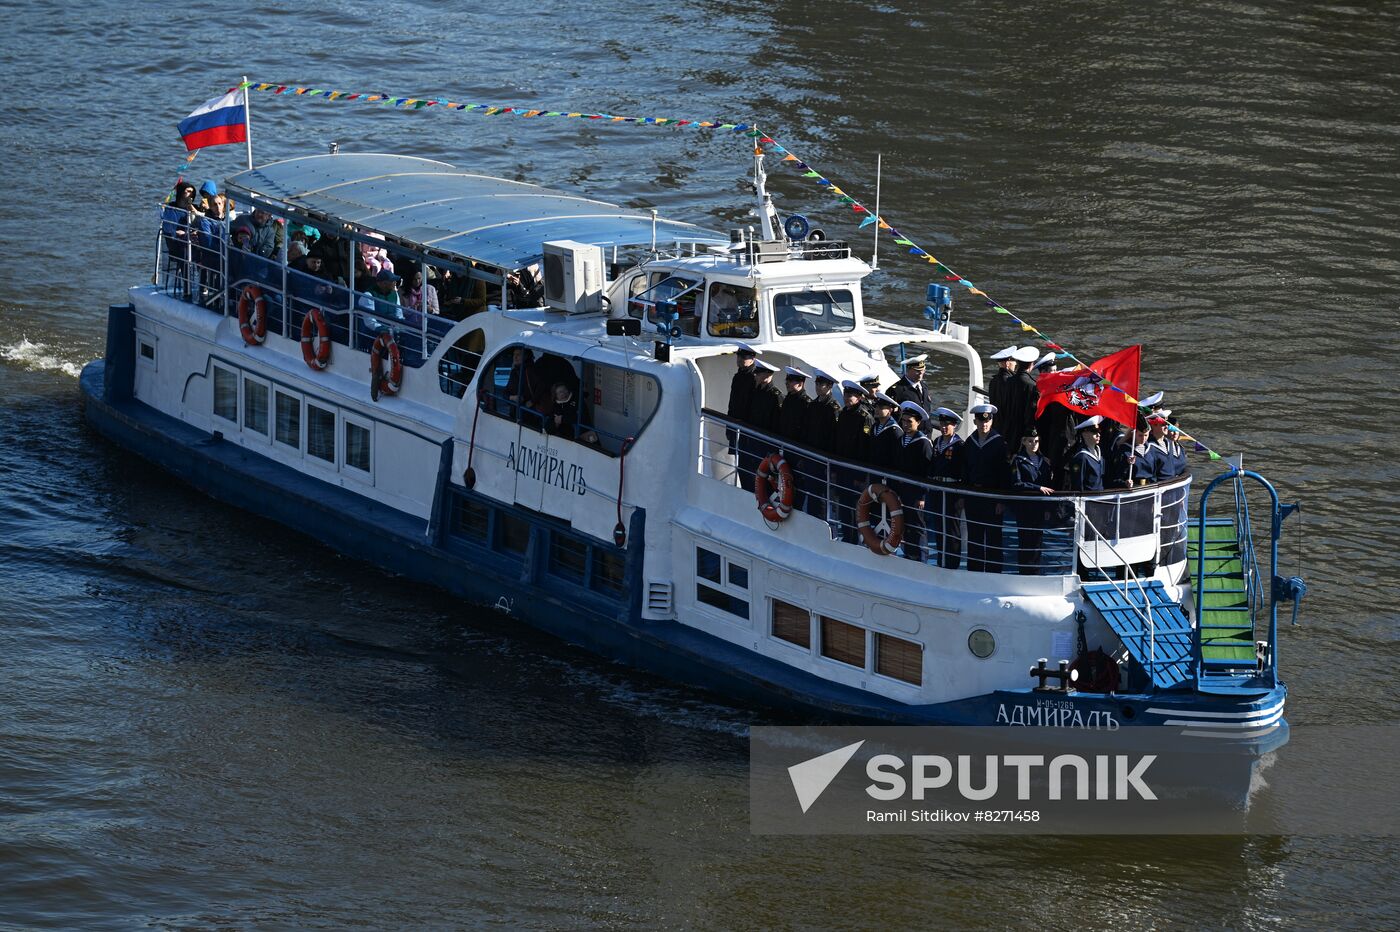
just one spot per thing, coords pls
(573, 276)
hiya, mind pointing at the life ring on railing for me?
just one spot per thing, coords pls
(252, 315)
(894, 511)
(313, 328)
(385, 352)
(773, 487)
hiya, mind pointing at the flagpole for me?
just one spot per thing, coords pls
(875, 256)
(247, 122)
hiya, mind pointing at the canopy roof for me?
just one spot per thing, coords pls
(432, 204)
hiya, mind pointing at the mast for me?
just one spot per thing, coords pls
(767, 213)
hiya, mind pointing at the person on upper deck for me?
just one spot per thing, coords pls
(1031, 474)
(460, 295)
(416, 293)
(912, 459)
(819, 423)
(765, 405)
(523, 288)
(792, 417)
(947, 468)
(870, 384)
(311, 285)
(267, 234)
(179, 228)
(1084, 468)
(986, 470)
(385, 296)
(884, 442)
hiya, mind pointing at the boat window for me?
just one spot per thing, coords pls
(320, 433)
(254, 406)
(666, 291)
(512, 533)
(733, 311)
(899, 659)
(816, 311)
(601, 408)
(226, 394)
(568, 557)
(460, 362)
(608, 569)
(472, 518)
(792, 623)
(357, 446)
(288, 420)
(843, 642)
(730, 597)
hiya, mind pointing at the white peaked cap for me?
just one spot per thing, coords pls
(914, 408)
(851, 385)
(1007, 353)
(793, 372)
(1046, 360)
(825, 376)
(1026, 354)
(745, 348)
(918, 360)
(760, 366)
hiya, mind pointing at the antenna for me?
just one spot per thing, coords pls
(875, 257)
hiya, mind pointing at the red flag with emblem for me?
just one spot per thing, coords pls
(1103, 388)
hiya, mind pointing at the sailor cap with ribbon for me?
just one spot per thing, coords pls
(914, 408)
(1007, 353)
(760, 366)
(1089, 422)
(947, 414)
(793, 372)
(745, 349)
(882, 399)
(985, 408)
(1026, 354)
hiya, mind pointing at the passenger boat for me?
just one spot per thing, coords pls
(432, 447)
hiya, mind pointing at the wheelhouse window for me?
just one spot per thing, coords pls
(818, 311)
(320, 433)
(670, 294)
(732, 311)
(226, 394)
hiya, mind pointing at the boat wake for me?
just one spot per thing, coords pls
(38, 356)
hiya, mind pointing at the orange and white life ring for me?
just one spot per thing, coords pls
(314, 329)
(385, 366)
(894, 512)
(252, 315)
(774, 489)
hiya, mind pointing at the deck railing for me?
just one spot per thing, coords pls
(196, 262)
(1116, 534)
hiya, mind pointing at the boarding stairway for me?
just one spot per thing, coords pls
(1223, 643)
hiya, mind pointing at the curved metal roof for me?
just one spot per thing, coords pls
(492, 220)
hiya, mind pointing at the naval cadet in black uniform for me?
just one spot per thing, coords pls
(912, 459)
(986, 470)
(1030, 475)
(1084, 468)
(1168, 462)
(792, 419)
(853, 429)
(884, 442)
(819, 436)
(740, 393)
(1018, 414)
(870, 384)
(764, 406)
(947, 470)
(999, 385)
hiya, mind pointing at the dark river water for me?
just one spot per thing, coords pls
(208, 722)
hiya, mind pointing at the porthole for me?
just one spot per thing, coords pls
(981, 643)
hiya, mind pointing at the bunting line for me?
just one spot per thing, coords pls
(759, 139)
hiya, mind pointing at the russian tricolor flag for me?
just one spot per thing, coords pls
(217, 122)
